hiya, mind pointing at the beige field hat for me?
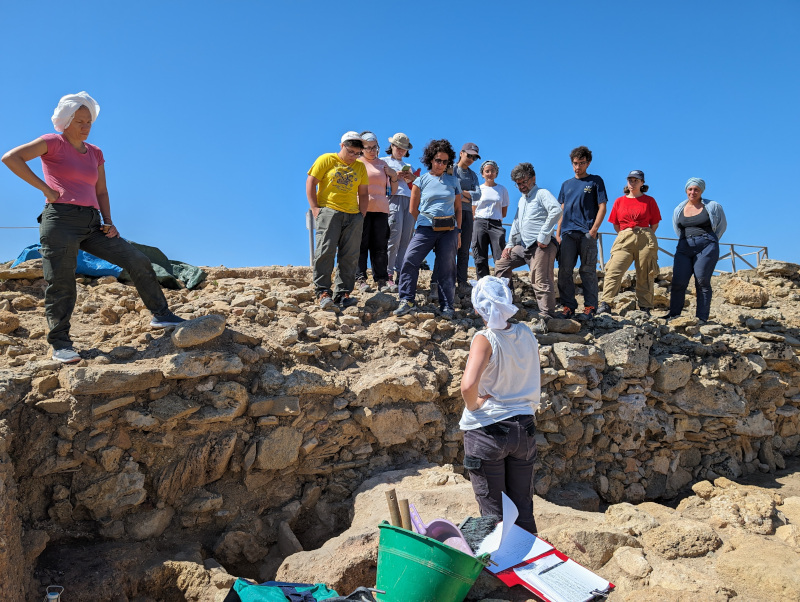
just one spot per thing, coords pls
(401, 140)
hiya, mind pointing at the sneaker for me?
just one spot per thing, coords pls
(603, 308)
(433, 296)
(448, 313)
(588, 312)
(391, 287)
(363, 287)
(405, 307)
(381, 286)
(325, 300)
(346, 301)
(168, 320)
(66, 356)
(567, 313)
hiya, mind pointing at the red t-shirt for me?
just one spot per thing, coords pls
(628, 212)
(73, 174)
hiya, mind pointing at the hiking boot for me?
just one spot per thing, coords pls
(567, 313)
(538, 326)
(390, 286)
(168, 320)
(588, 313)
(363, 287)
(346, 301)
(603, 308)
(325, 300)
(433, 296)
(66, 356)
(405, 307)
(448, 313)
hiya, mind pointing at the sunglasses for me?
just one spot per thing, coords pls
(372, 148)
(441, 161)
(473, 157)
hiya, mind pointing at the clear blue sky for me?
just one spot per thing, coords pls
(212, 112)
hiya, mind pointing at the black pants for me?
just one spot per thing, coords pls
(698, 256)
(487, 233)
(500, 459)
(575, 245)
(63, 230)
(375, 241)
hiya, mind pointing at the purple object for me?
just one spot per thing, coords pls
(441, 530)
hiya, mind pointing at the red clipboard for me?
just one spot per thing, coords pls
(510, 578)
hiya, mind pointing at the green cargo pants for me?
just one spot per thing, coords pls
(63, 229)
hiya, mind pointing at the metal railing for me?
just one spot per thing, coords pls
(760, 252)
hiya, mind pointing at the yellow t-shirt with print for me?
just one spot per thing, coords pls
(338, 182)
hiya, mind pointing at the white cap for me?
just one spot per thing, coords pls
(351, 136)
(493, 300)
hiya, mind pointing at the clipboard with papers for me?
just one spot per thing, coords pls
(523, 559)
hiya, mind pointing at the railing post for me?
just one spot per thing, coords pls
(310, 227)
(602, 259)
(733, 260)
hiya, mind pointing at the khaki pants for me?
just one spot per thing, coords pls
(638, 246)
(541, 262)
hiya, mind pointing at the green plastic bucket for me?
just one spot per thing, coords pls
(415, 568)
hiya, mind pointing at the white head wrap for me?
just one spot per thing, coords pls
(67, 106)
(493, 300)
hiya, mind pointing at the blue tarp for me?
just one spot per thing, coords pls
(88, 264)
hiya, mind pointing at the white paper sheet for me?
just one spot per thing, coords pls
(512, 549)
(510, 514)
(567, 582)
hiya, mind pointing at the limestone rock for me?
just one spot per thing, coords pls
(310, 380)
(705, 397)
(754, 425)
(116, 494)
(8, 322)
(563, 326)
(28, 270)
(771, 568)
(146, 525)
(197, 364)
(398, 381)
(633, 562)
(279, 449)
(234, 547)
(592, 548)
(390, 426)
(172, 407)
(629, 349)
(631, 520)
(740, 292)
(202, 464)
(674, 371)
(112, 378)
(573, 356)
(198, 331)
(684, 539)
(282, 405)
(782, 269)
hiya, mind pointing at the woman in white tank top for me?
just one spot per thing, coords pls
(501, 388)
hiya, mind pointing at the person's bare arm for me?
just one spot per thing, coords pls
(363, 198)
(505, 211)
(459, 217)
(311, 194)
(601, 213)
(616, 228)
(413, 205)
(654, 227)
(17, 161)
(560, 219)
(479, 354)
(101, 189)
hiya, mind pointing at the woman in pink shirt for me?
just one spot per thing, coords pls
(375, 234)
(74, 187)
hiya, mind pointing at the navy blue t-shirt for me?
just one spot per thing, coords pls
(581, 199)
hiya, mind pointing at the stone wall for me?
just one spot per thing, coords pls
(248, 429)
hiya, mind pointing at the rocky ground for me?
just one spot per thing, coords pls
(164, 463)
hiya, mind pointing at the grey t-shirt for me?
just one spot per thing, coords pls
(469, 182)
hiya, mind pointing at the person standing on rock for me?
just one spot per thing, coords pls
(470, 193)
(501, 388)
(401, 222)
(700, 224)
(77, 198)
(583, 200)
(488, 231)
(337, 192)
(375, 235)
(635, 217)
(531, 238)
(436, 205)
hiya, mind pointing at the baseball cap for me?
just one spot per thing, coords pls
(637, 173)
(351, 136)
(471, 149)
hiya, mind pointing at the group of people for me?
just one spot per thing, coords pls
(379, 208)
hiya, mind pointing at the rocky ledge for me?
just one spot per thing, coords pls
(240, 439)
